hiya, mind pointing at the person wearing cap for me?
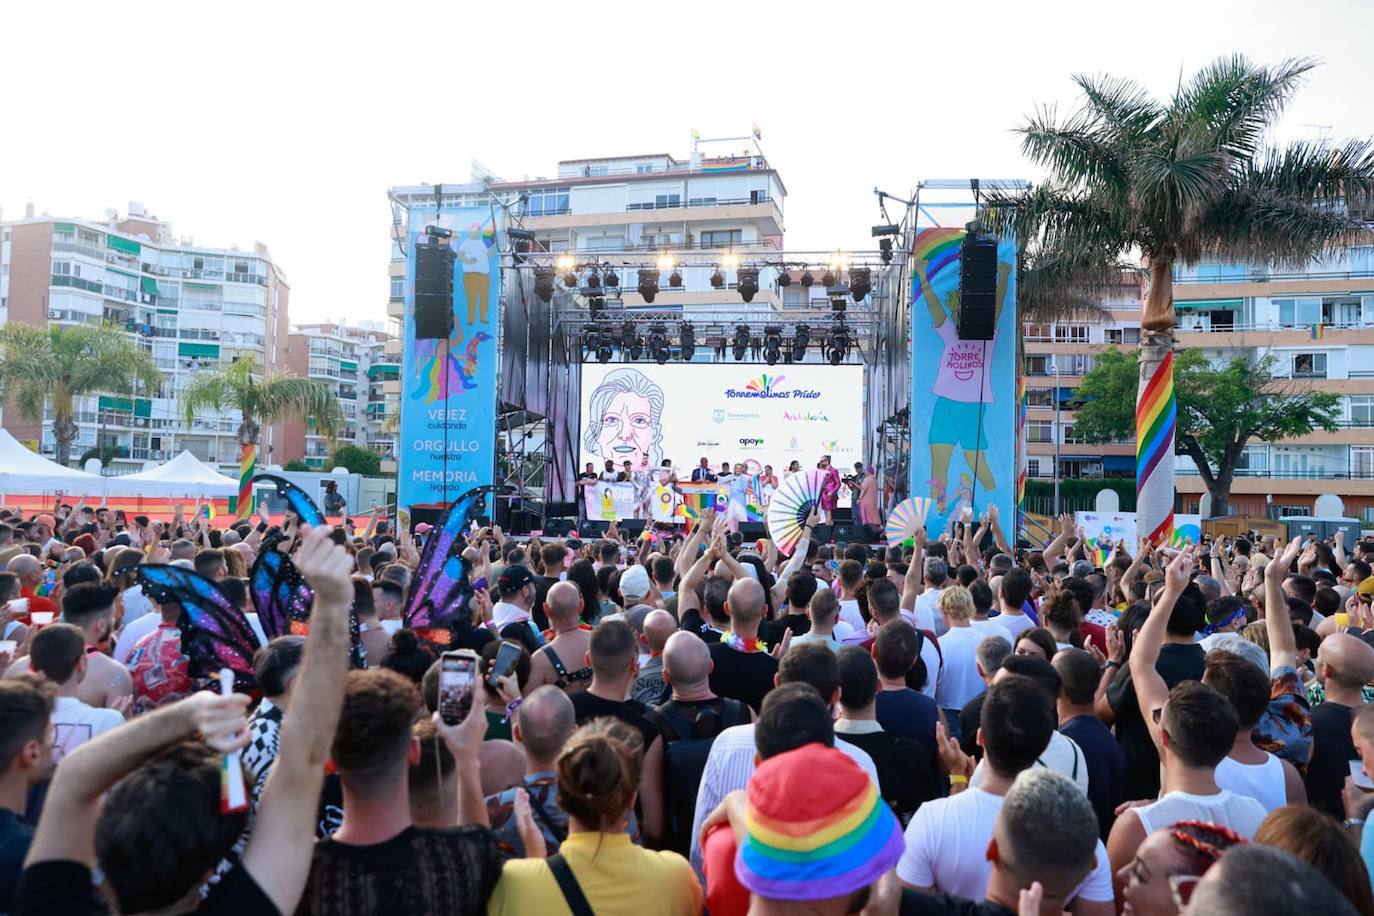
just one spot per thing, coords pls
(42, 530)
(511, 614)
(635, 586)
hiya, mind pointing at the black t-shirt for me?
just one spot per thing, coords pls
(910, 714)
(745, 676)
(907, 775)
(420, 870)
(466, 636)
(1106, 766)
(915, 903)
(970, 718)
(693, 622)
(631, 712)
(542, 584)
(64, 886)
(1332, 751)
(15, 837)
(772, 630)
(1178, 662)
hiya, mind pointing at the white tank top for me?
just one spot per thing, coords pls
(1263, 782)
(1241, 814)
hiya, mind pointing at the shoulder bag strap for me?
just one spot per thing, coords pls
(567, 883)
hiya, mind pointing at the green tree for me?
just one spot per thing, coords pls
(1171, 182)
(1220, 409)
(296, 465)
(357, 460)
(261, 398)
(56, 365)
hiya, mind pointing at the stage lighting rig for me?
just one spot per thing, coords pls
(885, 250)
(837, 344)
(860, 283)
(566, 266)
(807, 281)
(543, 283)
(675, 280)
(594, 279)
(828, 278)
(648, 284)
(665, 261)
(717, 279)
(747, 282)
(772, 344)
(729, 261)
(596, 304)
(884, 234)
(612, 278)
(784, 276)
(838, 304)
(801, 339)
(658, 343)
(630, 342)
(687, 341)
(590, 339)
(740, 344)
(603, 347)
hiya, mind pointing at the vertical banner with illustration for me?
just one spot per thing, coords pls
(963, 392)
(448, 386)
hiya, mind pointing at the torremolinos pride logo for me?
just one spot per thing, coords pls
(764, 384)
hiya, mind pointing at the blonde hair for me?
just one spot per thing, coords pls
(957, 603)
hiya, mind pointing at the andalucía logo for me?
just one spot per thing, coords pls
(770, 387)
(805, 416)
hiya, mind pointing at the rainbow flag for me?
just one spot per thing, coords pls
(736, 164)
(1317, 331)
(1097, 553)
(1155, 418)
(208, 512)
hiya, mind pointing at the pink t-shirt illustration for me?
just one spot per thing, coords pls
(964, 367)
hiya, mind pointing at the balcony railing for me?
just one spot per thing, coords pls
(1272, 327)
(1289, 474)
(697, 203)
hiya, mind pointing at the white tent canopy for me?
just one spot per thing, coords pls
(185, 476)
(26, 472)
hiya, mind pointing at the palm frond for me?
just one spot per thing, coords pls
(1080, 151)
(1052, 288)
(1258, 227)
(1121, 104)
(208, 391)
(1230, 103)
(1314, 171)
(281, 395)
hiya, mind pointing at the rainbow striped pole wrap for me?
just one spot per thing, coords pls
(1156, 419)
(1023, 462)
(242, 505)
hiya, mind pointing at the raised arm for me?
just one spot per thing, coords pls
(1150, 690)
(66, 830)
(999, 537)
(687, 556)
(1283, 645)
(278, 854)
(687, 588)
(1338, 548)
(1218, 567)
(914, 581)
(1055, 548)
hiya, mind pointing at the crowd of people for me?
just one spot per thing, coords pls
(958, 724)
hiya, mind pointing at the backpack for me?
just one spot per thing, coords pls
(684, 760)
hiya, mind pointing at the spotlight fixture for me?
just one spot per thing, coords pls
(828, 278)
(717, 279)
(740, 344)
(594, 279)
(772, 344)
(675, 280)
(807, 280)
(658, 343)
(612, 278)
(630, 343)
(729, 261)
(570, 280)
(590, 339)
(889, 229)
(648, 284)
(837, 306)
(543, 283)
(885, 250)
(687, 341)
(565, 263)
(665, 261)
(603, 347)
(801, 339)
(860, 282)
(747, 281)
(597, 306)
(837, 344)
(784, 276)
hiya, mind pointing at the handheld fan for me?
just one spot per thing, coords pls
(906, 518)
(792, 502)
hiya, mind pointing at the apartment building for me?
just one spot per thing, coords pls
(195, 308)
(1317, 326)
(353, 362)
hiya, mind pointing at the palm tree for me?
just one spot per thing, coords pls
(60, 363)
(1169, 183)
(261, 398)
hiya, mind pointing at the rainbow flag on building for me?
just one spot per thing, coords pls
(1317, 331)
(736, 164)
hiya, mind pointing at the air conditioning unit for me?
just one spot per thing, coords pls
(54, 314)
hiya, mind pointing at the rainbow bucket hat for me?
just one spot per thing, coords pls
(816, 828)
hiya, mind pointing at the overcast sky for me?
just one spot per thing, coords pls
(286, 122)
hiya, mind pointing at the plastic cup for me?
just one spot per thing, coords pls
(41, 618)
(7, 646)
(1342, 619)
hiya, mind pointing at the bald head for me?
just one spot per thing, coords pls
(745, 602)
(686, 661)
(543, 724)
(658, 626)
(564, 602)
(27, 567)
(1347, 660)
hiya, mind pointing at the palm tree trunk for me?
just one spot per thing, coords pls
(64, 434)
(1156, 421)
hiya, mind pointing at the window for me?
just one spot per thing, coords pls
(643, 168)
(1362, 461)
(1037, 365)
(1254, 461)
(701, 202)
(1072, 438)
(1123, 335)
(1303, 511)
(721, 238)
(1040, 397)
(1299, 312)
(547, 201)
(1032, 467)
(598, 170)
(398, 288)
(605, 243)
(1309, 365)
(1071, 333)
(1362, 410)
(1039, 332)
(1039, 431)
(667, 201)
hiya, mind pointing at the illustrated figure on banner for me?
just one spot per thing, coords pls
(961, 390)
(626, 412)
(447, 367)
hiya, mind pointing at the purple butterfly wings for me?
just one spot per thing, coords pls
(215, 634)
(296, 499)
(440, 587)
